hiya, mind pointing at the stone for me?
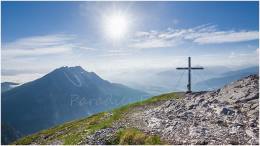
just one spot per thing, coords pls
(227, 111)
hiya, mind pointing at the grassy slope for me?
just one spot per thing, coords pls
(73, 132)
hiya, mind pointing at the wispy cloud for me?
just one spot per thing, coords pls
(152, 43)
(154, 39)
(39, 41)
(227, 37)
(204, 34)
(14, 72)
(41, 45)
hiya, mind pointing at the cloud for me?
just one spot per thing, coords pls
(21, 78)
(154, 39)
(39, 41)
(41, 45)
(152, 43)
(36, 51)
(227, 37)
(203, 34)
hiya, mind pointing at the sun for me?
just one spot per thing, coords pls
(116, 26)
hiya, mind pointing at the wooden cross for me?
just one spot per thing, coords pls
(189, 68)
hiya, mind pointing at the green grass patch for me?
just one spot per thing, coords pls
(132, 136)
(72, 139)
(26, 140)
(119, 112)
(63, 131)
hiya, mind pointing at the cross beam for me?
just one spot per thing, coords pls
(189, 68)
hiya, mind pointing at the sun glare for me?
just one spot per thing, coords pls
(116, 26)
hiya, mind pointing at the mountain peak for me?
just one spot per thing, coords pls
(79, 68)
(65, 94)
(74, 75)
(71, 71)
(76, 67)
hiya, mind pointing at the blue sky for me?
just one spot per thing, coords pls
(23, 19)
(38, 37)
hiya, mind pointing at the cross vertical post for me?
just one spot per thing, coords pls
(189, 68)
(189, 76)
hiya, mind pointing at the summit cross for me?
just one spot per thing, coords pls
(189, 68)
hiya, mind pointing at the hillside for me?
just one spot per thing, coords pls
(228, 115)
(10, 134)
(65, 94)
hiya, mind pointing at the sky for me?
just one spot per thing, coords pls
(38, 37)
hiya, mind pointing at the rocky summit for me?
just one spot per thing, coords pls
(228, 115)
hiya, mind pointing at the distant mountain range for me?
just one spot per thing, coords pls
(225, 78)
(5, 86)
(65, 94)
(176, 80)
